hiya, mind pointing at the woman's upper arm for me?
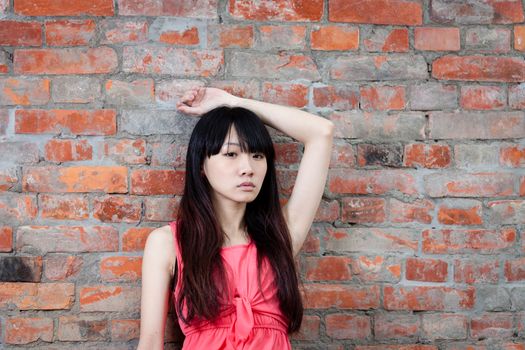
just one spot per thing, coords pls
(157, 262)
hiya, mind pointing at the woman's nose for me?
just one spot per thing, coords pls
(246, 167)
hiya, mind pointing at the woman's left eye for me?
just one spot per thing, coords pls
(230, 154)
(259, 156)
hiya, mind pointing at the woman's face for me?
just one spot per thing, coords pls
(235, 175)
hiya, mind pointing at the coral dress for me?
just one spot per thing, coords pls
(248, 321)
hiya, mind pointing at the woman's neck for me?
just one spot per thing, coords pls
(231, 219)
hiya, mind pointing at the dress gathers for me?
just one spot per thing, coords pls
(252, 319)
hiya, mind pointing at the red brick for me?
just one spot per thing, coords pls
(121, 269)
(117, 31)
(343, 155)
(396, 347)
(519, 37)
(386, 40)
(286, 181)
(228, 35)
(4, 65)
(64, 8)
(468, 213)
(383, 98)
(423, 298)
(68, 150)
(467, 241)
(189, 36)
(117, 209)
(287, 153)
(242, 89)
(77, 122)
(376, 269)
(18, 33)
(25, 330)
(512, 156)
(19, 207)
(479, 68)
(339, 97)
(476, 271)
(108, 298)
(76, 179)
(64, 207)
(419, 210)
(341, 326)
(436, 39)
(125, 330)
(70, 32)
(341, 296)
(470, 185)
(37, 296)
(134, 239)
(426, 270)
(125, 151)
(25, 92)
(497, 325)
(394, 326)
(82, 328)
(522, 186)
(282, 37)
(152, 182)
(343, 181)
(62, 267)
(335, 38)
(327, 211)
(483, 97)
(6, 239)
(309, 328)
(97, 60)
(8, 179)
(289, 94)
(515, 270)
(283, 10)
(403, 12)
(327, 268)
(363, 210)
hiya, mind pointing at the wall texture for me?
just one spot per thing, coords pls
(419, 243)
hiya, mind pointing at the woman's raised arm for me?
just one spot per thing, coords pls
(316, 133)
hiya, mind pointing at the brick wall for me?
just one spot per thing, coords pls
(420, 238)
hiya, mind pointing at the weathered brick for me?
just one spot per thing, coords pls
(25, 330)
(6, 239)
(428, 298)
(432, 96)
(460, 212)
(118, 31)
(335, 38)
(343, 155)
(137, 92)
(169, 154)
(517, 96)
(149, 59)
(491, 325)
(169, 92)
(59, 121)
(109, 298)
(483, 97)
(479, 68)
(287, 153)
(4, 62)
(433, 156)
(396, 347)
(374, 240)
(282, 66)
(143, 122)
(473, 270)
(17, 207)
(436, 39)
(161, 209)
(152, 182)
(64, 8)
(476, 12)
(379, 126)
(60, 267)
(488, 40)
(19, 152)
(476, 155)
(341, 326)
(64, 207)
(382, 97)
(20, 33)
(380, 39)
(96, 60)
(57, 150)
(309, 328)
(343, 181)
(327, 268)
(426, 270)
(70, 32)
(82, 328)
(8, 178)
(44, 239)
(376, 269)
(125, 151)
(325, 296)
(121, 268)
(507, 212)
(282, 37)
(117, 209)
(77, 89)
(493, 298)
(327, 211)
(24, 91)
(289, 94)
(444, 326)
(519, 37)
(284, 10)
(392, 67)
(20, 268)
(249, 89)
(339, 97)
(230, 36)
(471, 125)
(469, 184)
(468, 241)
(76, 179)
(37, 296)
(403, 12)
(515, 270)
(134, 239)
(175, 32)
(379, 154)
(125, 330)
(363, 210)
(177, 8)
(395, 326)
(419, 210)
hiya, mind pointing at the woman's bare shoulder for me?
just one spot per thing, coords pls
(161, 241)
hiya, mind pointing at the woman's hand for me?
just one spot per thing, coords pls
(200, 100)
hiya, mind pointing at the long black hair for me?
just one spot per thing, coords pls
(200, 235)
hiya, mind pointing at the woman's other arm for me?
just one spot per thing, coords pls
(156, 276)
(316, 133)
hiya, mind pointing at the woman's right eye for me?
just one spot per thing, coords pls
(230, 154)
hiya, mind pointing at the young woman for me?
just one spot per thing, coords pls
(231, 251)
